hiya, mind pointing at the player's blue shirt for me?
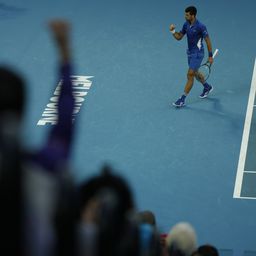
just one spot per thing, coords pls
(195, 35)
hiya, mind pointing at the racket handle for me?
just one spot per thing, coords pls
(215, 53)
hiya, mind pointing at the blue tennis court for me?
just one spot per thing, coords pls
(193, 164)
(244, 187)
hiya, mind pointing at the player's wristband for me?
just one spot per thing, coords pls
(210, 54)
(173, 31)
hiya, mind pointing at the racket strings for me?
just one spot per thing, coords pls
(204, 71)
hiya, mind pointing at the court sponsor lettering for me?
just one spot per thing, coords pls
(81, 86)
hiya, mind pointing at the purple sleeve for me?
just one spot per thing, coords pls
(57, 148)
(63, 130)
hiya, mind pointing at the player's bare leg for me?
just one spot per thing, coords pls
(199, 77)
(190, 81)
(190, 76)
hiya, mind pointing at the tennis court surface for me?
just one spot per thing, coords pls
(181, 163)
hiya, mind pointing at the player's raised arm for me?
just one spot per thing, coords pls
(177, 35)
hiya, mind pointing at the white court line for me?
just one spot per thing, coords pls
(245, 138)
(250, 172)
(244, 197)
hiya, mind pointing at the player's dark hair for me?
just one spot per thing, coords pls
(192, 10)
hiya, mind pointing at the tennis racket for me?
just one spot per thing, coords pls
(204, 70)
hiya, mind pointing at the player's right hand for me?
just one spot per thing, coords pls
(172, 27)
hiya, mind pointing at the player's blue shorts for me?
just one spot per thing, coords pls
(195, 59)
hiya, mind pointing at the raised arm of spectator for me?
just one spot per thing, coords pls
(57, 149)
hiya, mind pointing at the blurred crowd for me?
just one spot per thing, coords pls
(44, 213)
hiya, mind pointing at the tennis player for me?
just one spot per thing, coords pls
(196, 32)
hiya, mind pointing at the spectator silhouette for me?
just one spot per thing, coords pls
(147, 217)
(206, 250)
(105, 204)
(181, 240)
(108, 226)
(30, 182)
